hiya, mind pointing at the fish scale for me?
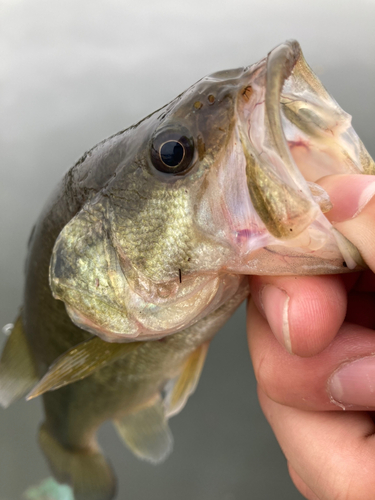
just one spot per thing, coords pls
(157, 236)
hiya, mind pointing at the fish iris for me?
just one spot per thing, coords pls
(172, 151)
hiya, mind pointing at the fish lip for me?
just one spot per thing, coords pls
(278, 68)
(280, 64)
(278, 191)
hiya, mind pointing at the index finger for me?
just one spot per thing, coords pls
(332, 452)
(353, 212)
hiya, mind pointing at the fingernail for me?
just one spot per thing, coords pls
(354, 383)
(366, 195)
(275, 304)
(350, 196)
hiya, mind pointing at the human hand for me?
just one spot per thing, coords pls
(328, 323)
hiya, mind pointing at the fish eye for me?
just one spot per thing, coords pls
(172, 152)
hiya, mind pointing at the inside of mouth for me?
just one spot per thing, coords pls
(298, 134)
(292, 134)
(318, 132)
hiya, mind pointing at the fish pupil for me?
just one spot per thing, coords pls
(172, 153)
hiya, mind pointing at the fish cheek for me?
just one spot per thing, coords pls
(151, 223)
(86, 276)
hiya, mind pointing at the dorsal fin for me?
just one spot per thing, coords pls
(17, 369)
(81, 361)
(179, 389)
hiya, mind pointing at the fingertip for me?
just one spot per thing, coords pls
(304, 313)
(349, 194)
(316, 314)
(353, 210)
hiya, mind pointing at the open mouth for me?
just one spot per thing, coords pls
(293, 133)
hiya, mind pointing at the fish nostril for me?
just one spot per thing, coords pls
(247, 92)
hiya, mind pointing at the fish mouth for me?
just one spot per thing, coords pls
(291, 133)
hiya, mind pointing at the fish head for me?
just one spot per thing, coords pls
(218, 184)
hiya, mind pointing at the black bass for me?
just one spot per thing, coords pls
(143, 251)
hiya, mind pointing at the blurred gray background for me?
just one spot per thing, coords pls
(73, 72)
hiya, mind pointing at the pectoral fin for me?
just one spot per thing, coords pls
(79, 362)
(17, 370)
(179, 389)
(146, 432)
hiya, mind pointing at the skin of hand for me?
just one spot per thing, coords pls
(312, 343)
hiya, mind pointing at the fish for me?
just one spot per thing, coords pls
(144, 249)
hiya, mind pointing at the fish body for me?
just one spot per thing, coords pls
(143, 251)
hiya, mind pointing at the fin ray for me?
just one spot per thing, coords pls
(180, 388)
(147, 433)
(79, 362)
